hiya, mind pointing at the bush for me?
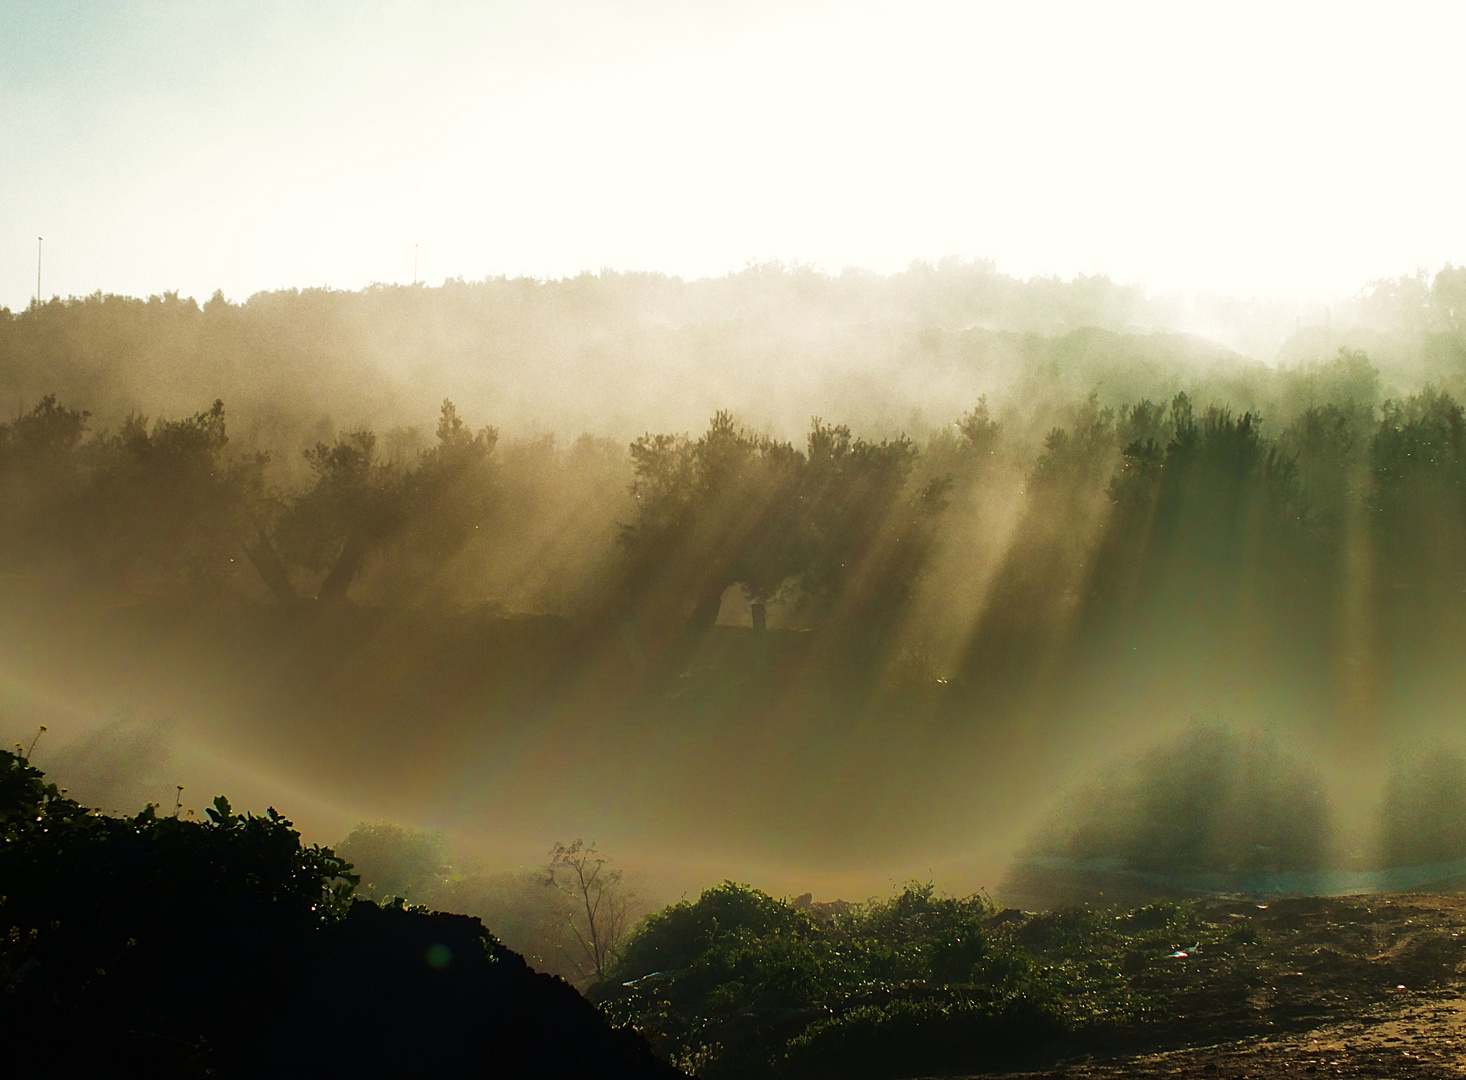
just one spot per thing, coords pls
(145, 923)
(175, 948)
(394, 861)
(909, 1037)
(1422, 818)
(739, 983)
(672, 938)
(1213, 799)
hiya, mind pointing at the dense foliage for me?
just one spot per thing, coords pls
(1128, 488)
(169, 947)
(1137, 456)
(839, 523)
(738, 983)
(1129, 516)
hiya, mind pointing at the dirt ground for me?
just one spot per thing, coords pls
(1357, 987)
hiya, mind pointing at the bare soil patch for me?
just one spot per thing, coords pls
(1358, 986)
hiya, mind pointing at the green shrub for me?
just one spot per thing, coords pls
(738, 983)
(909, 1037)
(672, 938)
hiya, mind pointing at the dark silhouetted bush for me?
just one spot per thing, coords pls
(175, 948)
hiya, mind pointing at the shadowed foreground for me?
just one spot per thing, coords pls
(1364, 987)
(739, 986)
(172, 948)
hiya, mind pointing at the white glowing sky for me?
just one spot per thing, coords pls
(1240, 147)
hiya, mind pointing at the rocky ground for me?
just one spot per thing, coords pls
(1356, 987)
(1425, 1038)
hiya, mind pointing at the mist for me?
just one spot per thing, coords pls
(515, 561)
(732, 539)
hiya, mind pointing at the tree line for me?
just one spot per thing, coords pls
(1175, 517)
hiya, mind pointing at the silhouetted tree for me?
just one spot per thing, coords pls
(1043, 578)
(838, 520)
(164, 501)
(599, 918)
(865, 533)
(1330, 444)
(359, 503)
(1216, 502)
(711, 513)
(40, 475)
(1417, 505)
(395, 862)
(355, 502)
(451, 496)
(1418, 462)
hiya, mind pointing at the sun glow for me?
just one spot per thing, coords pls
(1241, 148)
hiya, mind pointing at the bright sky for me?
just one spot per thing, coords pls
(1272, 148)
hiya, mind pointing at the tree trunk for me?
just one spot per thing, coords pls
(760, 613)
(333, 589)
(705, 616)
(272, 570)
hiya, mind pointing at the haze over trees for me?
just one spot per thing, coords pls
(866, 539)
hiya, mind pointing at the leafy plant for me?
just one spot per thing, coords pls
(740, 983)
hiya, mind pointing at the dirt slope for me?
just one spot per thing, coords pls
(1357, 987)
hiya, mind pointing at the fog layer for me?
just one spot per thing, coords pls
(817, 582)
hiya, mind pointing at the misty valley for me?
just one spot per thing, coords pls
(783, 674)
